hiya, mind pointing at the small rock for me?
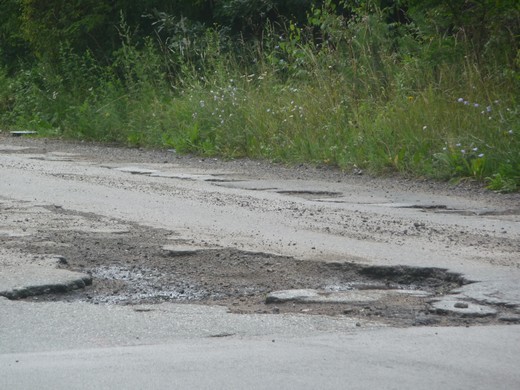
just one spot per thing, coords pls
(61, 260)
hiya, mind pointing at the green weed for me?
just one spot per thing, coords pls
(346, 93)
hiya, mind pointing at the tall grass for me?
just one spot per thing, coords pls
(347, 94)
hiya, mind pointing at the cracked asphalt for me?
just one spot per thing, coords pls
(207, 244)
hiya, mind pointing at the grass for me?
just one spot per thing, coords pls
(355, 102)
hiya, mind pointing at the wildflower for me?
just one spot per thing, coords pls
(481, 155)
(445, 148)
(463, 151)
(488, 108)
(466, 102)
(476, 105)
(460, 100)
(457, 145)
(424, 128)
(475, 149)
(202, 103)
(510, 132)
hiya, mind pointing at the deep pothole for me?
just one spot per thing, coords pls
(132, 267)
(226, 274)
(245, 283)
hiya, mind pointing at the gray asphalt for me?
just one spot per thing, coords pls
(60, 345)
(81, 346)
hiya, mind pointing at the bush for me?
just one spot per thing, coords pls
(355, 86)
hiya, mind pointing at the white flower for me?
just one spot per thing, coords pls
(460, 100)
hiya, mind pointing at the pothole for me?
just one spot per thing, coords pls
(145, 266)
(444, 209)
(310, 194)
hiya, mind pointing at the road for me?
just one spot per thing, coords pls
(56, 196)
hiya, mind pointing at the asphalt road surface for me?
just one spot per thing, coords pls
(126, 268)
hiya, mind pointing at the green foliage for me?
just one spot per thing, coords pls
(47, 24)
(12, 44)
(370, 85)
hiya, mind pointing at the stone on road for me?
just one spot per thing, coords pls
(467, 309)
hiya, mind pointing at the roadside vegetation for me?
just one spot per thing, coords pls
(424, 88)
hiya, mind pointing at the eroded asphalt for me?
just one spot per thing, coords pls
(226, 248)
